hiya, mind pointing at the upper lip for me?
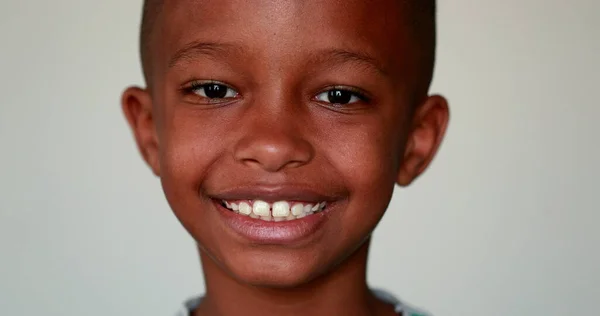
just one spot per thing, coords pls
(273, 194)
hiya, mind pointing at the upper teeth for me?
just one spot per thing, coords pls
(278, 211)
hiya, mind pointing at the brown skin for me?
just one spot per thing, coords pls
(275, 131)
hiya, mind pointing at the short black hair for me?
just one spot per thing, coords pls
(150, 12)
(421, 16)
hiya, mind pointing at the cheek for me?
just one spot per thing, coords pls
(188, 139)
(367, 161)
(187, 150)
(365, 156)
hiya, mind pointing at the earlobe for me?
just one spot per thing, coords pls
(429, 127)
(137, 107)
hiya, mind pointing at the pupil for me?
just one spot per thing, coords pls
(339, 96)
(215, 91)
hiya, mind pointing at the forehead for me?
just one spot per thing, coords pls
(284, 29)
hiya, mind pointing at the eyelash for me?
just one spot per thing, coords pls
(356, 95)
(360, 95)
(192, 88)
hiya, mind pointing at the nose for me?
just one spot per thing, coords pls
(272, 142)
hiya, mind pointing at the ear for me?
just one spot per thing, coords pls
(429, 125)
(137, 107)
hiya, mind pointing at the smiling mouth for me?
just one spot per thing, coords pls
(279, 211)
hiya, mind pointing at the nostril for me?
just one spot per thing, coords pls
(272, 165)
(251, 161)
(273, 152)
(295, 164)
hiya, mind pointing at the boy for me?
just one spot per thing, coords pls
(278, 130)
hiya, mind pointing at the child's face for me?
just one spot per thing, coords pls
(297, 101)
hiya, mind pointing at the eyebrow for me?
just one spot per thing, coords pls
(328, 56)
(341, 56)
(195, 48)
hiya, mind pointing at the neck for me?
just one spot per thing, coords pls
(343, 291)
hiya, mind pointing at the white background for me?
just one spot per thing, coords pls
(503, 223)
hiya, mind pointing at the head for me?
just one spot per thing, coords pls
(304, 101)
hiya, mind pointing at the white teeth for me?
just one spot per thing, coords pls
(261, 208)
(278, 211)
(245, 208)
(298, 209)
(281, 209)
(307, 208)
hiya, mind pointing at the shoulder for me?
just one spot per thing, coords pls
(401, 307)
(188, 306)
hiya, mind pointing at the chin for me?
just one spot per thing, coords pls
(283, 271)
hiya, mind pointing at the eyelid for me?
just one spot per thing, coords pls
(360, 93)
(189, 94)
(194, 84)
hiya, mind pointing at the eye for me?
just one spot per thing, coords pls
(340, 96)
(212, 90)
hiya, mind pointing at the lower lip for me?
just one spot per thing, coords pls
(274, 233)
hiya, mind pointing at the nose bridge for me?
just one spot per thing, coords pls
(272, 135)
